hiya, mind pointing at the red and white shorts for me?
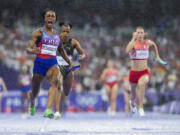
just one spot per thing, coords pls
(135, 75)
(111, 84)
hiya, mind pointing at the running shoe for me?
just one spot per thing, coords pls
(141, 112)
(57, 115)
(133, 107)
(32, 111)
(48, 113)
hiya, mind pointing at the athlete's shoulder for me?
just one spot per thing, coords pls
(149, 42)
(37, 32)
(74, 41)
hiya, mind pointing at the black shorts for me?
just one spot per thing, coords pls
(64, 70)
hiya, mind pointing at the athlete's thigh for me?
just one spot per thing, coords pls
(53, 74)
(108, 89)
(37, 77)
(114, 91)
(144, 79)
(68, 79)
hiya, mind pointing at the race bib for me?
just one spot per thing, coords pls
(139, 54)
(111, 78)
(62, 61)
(142, 54)
(49, 49)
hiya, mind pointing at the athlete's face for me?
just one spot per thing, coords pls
(110, 64)
(65, 33)
(140, 34)
(50, 19)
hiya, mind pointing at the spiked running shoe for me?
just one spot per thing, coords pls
(32, 111)
(48, 113)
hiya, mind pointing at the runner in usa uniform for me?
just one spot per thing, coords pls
(138, 48)
(69, 45)
(44, 44)
(24, 80)
(110, 77)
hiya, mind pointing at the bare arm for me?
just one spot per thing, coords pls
(130, 45)
(31, 46)
(151, 43)
(103, 75)
(79, 49)
(64, 55)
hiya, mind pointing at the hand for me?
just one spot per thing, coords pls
(70, 66)
(36, 50)
(80, 58)
(61, 37)
(134, 36)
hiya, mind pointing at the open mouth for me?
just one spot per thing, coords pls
(50, 23)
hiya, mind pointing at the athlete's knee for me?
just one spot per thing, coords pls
(54, 81)
(142, 83)
(66, 92)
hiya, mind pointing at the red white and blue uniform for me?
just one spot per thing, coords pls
(140, 52)
(25, 82)
(48, 51)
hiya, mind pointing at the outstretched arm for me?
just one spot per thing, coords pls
(158, 59)
(79, 49)
(31, 46)
(153, 44)
(64, 55)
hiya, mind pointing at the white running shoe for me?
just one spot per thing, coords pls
(57, 115)
(141, 112)
(133, 107)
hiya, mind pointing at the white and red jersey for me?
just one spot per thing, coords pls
(140, 52)
(25, 79)
(111, 76)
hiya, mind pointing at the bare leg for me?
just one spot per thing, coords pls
(53, 76)
(108, 91)
(67, 83)
(133, 93)
(28, 98)
(57, 100)
(23, 97)
(36, 81)
(126, 100)
(142, 83)
(113, 96)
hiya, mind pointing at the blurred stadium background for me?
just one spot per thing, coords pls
(103, 27)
